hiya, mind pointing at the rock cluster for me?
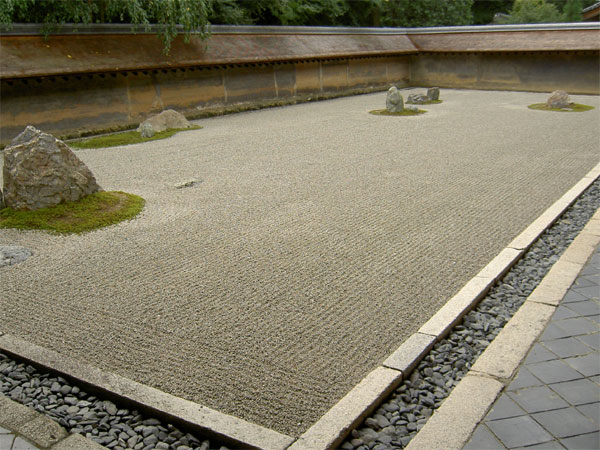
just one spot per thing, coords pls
(41, 171)
(558, 99)
(394, 101)
(163, 121)
(432, 94)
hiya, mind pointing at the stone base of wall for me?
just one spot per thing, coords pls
(574, 72)
(77, 104)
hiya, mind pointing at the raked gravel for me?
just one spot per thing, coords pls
(320, 238)
(401, 416)
(392, 425)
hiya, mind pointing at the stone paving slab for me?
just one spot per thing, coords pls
(22, 428)
(559, 404)
(305, 257)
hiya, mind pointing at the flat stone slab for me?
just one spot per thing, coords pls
(314, 247)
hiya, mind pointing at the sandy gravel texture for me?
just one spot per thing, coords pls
(320, 238)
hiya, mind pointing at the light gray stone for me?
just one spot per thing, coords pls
(13, 254)
(41, 171)
(146, 130)
(165, 120)
(411, 108)
(558, 99)
(394, 101)
(418, 99)
(433, 93)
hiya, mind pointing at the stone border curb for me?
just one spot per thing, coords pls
(40, 430)
(160, 404)
(326, 433)
(452, 425)
(333, 427)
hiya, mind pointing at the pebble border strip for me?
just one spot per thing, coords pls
(394, 423)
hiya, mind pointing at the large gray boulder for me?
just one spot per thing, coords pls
(558, 99)
(41, 171)
(165, 120)
(394, 101)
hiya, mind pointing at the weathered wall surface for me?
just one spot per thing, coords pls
(66, 105)
(574, 72)
(108, 79)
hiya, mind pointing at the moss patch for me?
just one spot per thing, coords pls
(97, 210)
(125, 138)
(575, 107)
(385, 112)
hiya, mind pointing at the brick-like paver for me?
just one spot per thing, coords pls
(554, 401)
(10, 441)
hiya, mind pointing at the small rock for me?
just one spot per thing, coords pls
(417, 99)
(165, 120)
(146, 130)
(147, 431)
(558, 99)
(382, 421)
(150, 440)
(110, 408)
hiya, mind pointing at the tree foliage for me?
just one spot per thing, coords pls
(195, 15)
(427, 13)
(485, 10)
(192, 15)
(533, 11)
(572, 11)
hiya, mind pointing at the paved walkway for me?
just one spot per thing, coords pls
(10, 441)
(554, 401)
